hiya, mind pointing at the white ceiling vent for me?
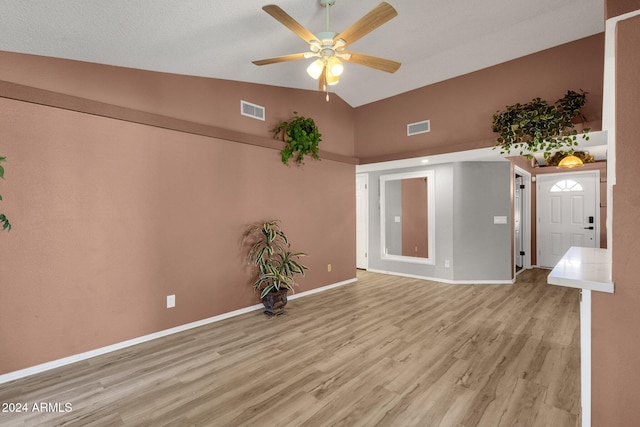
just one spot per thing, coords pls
(419, 127)
(251, 110)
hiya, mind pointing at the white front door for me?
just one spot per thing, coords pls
(567, 214)
(362, 220)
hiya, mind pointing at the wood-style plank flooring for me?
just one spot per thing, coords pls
(385, 351)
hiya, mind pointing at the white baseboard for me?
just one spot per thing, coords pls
(447, 281)
(11, 376)
(322, 289)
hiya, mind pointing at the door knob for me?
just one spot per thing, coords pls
(588, 228)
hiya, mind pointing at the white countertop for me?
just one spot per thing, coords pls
(584, 268)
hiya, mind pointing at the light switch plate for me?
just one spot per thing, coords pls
(499, 219)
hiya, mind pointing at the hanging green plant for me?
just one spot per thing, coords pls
(540, 127)
(555, 159)
(6, 225)
(301, 137)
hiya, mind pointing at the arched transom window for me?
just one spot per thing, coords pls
(566, 185)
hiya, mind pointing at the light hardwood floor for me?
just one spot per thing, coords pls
(385, 351)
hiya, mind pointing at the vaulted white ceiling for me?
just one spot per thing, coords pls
(434, 39)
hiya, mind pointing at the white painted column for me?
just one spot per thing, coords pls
(585, 356)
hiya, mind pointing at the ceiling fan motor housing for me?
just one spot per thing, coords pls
(325, 45)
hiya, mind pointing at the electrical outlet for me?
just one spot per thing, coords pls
(329, 267)
(171, 301)
(447, 264)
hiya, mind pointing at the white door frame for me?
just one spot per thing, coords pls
(526, 219)
(362, 220)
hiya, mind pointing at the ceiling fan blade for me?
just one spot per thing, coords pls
(322, 80)
(277, 59)
(374, 62)
(369, 22)
(285, 19)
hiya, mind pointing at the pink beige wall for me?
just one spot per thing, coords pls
(110, 216)
(207, 101)
(618, 7)
(461, 109)
(415, 227)
(616, 317)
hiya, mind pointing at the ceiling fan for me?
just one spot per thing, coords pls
(329, 47)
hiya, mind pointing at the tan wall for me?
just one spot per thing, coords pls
(616, 317)
(461, 109)
(208, 101)
(618, 7)
(415, 217)
(111, 216)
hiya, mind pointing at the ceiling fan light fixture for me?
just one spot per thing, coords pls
(335, 66)
(315, 69)
(332, 79)
(329, 46)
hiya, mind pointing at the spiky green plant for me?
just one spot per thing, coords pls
(269, 251)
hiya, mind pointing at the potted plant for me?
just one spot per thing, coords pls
(301, 137)
(540, 127)
(6, 225)
(276, 265)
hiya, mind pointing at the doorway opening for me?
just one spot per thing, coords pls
(517, 222)
(521, 220)
(362, 221)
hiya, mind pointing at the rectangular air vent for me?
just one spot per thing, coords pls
(419, 127)
(251, 110)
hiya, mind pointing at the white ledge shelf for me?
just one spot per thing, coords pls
(584, 268)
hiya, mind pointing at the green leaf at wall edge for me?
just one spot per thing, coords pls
(6, 225)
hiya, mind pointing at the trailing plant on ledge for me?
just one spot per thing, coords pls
(301, 137)
(540, 127)
(6, 225)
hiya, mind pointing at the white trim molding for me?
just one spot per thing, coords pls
(447, 281)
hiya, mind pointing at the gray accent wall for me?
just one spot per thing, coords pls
(482, 249)
(443, 224)
(467, 197)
